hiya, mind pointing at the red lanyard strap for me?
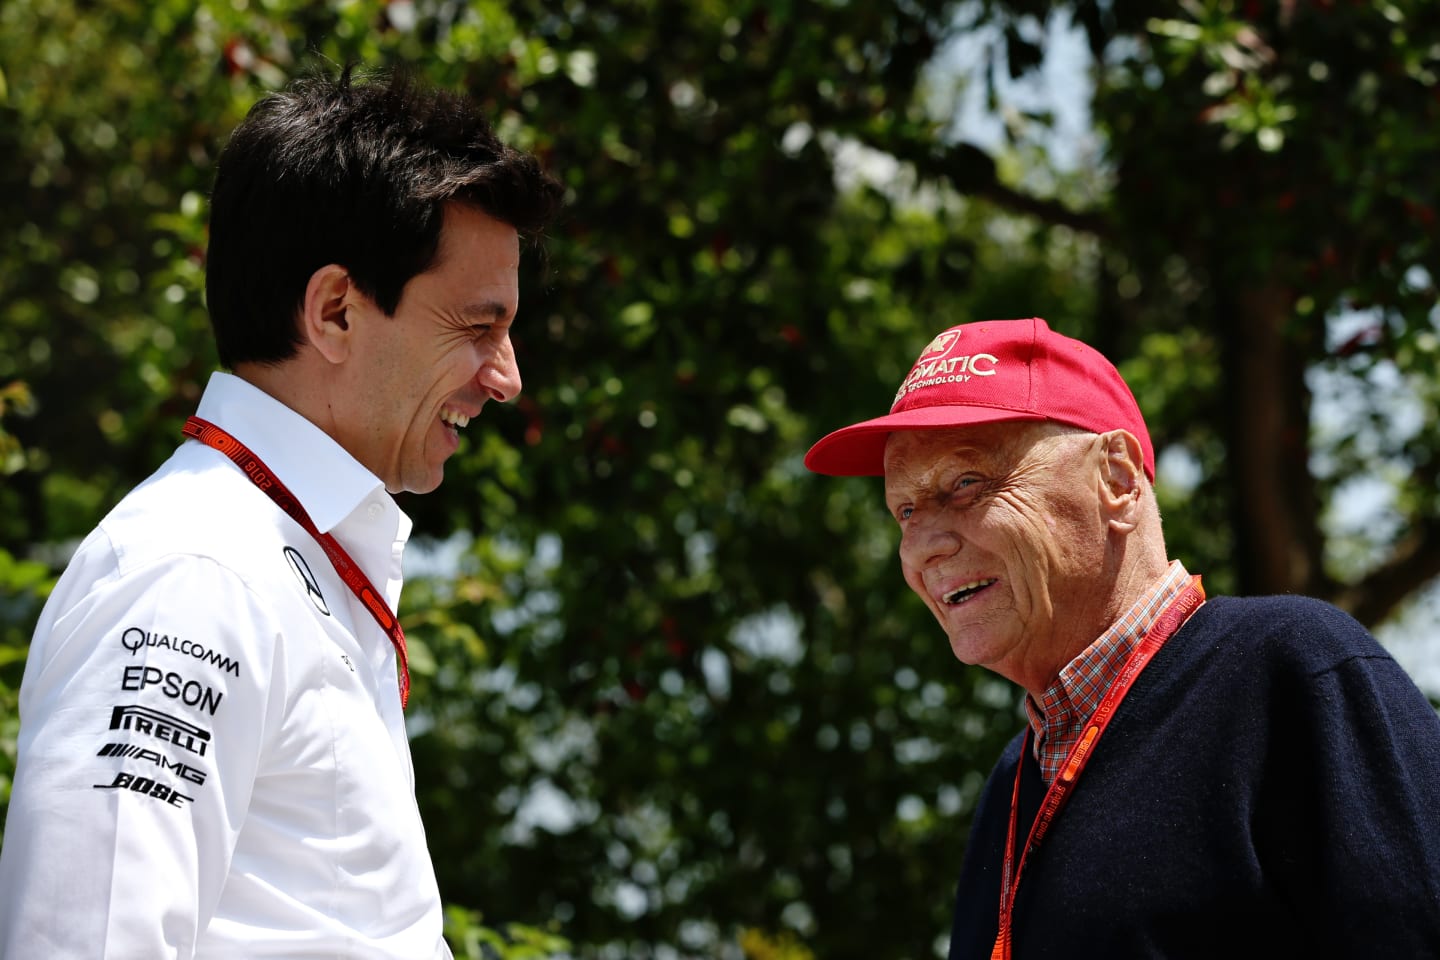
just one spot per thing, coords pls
(1176, 612)
(259, 474)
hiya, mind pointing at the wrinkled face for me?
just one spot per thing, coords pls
(426, 371)
(1003, 537)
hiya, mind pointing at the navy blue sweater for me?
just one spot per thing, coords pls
(1270, 787)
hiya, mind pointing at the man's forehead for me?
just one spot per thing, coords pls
(943, 442)
(987, 443)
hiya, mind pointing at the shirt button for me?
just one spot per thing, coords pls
(374, 511)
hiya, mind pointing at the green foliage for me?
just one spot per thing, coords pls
(24, 584)
(14, 397)
(472, 940)
(672, 696)
(759, 946)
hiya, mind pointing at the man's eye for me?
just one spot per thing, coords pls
(904, 512)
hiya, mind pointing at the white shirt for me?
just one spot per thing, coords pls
(212, 755)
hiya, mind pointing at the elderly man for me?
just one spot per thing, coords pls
(1223, 777)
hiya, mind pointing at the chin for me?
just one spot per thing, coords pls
(978, 650)
(966, 655)
(421, 484)
(428, 486)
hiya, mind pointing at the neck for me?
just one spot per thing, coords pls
(294, 383)
(1139, 568)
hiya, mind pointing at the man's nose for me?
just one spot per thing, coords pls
(926, 538)
(499, 376)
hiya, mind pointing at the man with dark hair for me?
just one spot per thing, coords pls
(1199, 778)
(213, 759)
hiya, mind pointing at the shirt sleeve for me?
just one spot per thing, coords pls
(143, 714)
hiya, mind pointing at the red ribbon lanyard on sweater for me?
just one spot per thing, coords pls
(1176, 612)
(211, 435)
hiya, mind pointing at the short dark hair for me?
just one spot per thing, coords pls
(354, 171)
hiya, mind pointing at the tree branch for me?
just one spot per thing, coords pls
(969, 170)
(1414, 562)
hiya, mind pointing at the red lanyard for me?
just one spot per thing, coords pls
(211, 435)
(1176, 612)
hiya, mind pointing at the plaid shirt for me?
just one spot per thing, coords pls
(1069, 702)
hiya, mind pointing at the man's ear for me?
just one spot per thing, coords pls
(324, 323)
(1122, 474)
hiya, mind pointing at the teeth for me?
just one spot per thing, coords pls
(963, 592)
(454, 418)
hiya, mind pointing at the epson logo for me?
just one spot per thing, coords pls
(161, 726)
(135, 752)
(135, 639)
(192, 693)
(146, 787)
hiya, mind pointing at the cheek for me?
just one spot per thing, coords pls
(1027, 548)
(914, 580)
(461, 366)
(434, 384)
(1074, 538)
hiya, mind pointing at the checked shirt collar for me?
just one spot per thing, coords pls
(1068, 703)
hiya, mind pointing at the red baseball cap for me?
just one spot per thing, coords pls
(991, 371)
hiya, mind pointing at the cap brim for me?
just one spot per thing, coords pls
(859, 449)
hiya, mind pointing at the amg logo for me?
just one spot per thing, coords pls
(146, 788)
(161, 726)
(182, 770)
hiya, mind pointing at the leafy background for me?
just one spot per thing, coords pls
(673, 699)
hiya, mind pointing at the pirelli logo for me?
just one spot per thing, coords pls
(161, 726)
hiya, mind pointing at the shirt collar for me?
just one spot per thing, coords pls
(329, 483)
(1073, 697)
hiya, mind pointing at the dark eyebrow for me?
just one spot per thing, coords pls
(485, 310)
